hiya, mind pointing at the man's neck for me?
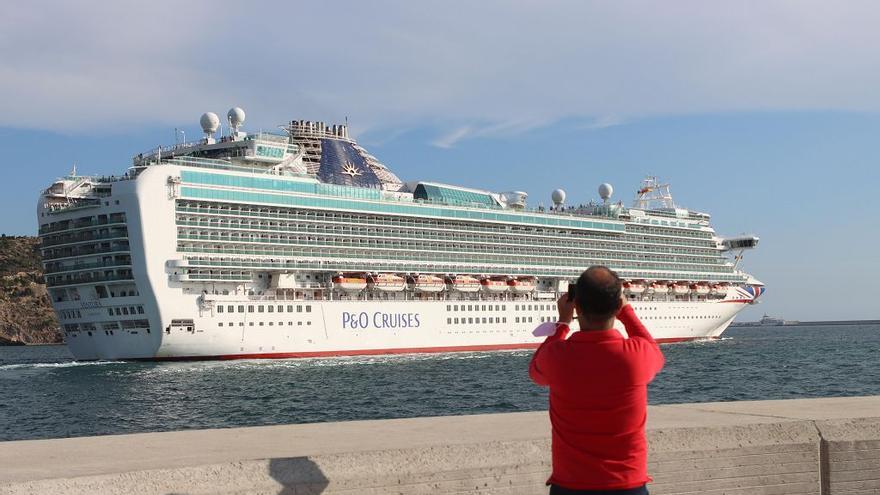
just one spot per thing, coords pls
(595, 325)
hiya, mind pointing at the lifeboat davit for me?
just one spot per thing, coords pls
(463, 283)
(386, 282)
(679, 288)
(659, 287)
(634, 287)
(350, 282)
(427, 283)
(522, 284)
(494, 284)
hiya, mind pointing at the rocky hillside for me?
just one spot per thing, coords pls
(25, 313)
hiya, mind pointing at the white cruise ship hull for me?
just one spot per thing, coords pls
(344, 328)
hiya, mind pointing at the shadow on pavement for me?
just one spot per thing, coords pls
(298, 476)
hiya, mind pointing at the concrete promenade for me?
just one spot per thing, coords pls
(814, 446)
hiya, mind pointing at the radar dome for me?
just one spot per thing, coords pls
(210, 122)
(236, 116)
(605, 191)
(558, 197)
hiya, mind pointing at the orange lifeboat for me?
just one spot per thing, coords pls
(494, 284)
(634, 287)
(719, 289)
(427, 283)
(522, 284)
(679, 288)
(701, 288)
(350, 282)
(463, 283)
(660, 287)
(386, 282)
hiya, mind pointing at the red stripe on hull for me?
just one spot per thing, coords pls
(377, 352)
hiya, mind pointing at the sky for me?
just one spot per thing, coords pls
(764, 114)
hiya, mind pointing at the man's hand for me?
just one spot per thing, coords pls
(565, 309)
(623, 302)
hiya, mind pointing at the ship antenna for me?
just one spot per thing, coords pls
(73, 170)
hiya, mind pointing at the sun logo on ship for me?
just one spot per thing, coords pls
(351, 170)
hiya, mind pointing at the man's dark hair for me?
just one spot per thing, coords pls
(597, 293)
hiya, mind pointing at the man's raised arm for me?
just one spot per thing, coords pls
(539, 367)
(638, 334)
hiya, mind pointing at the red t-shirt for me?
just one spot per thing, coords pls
(598, 403)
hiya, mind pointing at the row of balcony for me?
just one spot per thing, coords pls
(85, 278)
(495, 254)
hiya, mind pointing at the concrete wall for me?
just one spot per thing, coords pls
(820, 446)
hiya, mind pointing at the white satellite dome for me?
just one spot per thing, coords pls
(605, 191)
(236, 116)
(558, 197)
(210, 122)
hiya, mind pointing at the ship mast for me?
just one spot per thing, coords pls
(653, 195)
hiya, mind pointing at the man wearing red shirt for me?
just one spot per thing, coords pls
(598, 390)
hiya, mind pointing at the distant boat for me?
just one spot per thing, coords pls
(771, 321)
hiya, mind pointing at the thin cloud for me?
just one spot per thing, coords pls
(501, 129)
(604, 122)
(449, 140)
(92, 66)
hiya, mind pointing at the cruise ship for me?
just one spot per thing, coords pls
(300, 243)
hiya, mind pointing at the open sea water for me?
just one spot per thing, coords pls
(45, 394)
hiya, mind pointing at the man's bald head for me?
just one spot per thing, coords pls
(597, 293)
